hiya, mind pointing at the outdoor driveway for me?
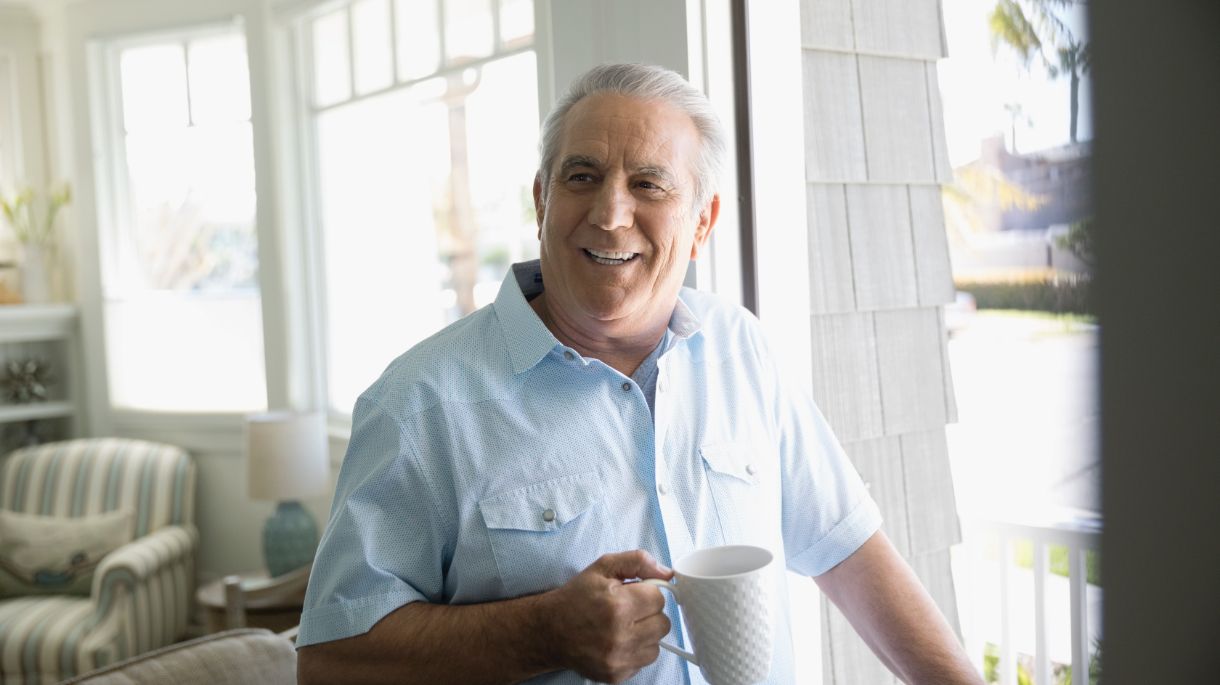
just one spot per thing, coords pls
(1027, 413)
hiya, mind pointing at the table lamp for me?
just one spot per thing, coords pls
(288, 458)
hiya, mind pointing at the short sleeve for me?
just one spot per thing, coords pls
(827, 510)
(382, 547)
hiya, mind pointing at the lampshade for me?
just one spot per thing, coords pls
(287, 455)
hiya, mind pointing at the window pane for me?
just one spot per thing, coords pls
(186, 354)
(192, 210)
(182, 307)
(419, 46)
(516, 22)
(371, 39)
(426, 201)
(469, 33)
(382, 277)
(502, 151)
(213, 62)
(331, 75)
(154, 87)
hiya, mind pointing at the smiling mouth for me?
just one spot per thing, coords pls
(610, 258)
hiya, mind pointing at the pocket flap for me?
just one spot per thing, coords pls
(738, 459)
(542, 506)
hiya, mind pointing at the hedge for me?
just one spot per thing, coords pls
(1059, 295)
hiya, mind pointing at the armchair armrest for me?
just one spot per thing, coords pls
(135, 562)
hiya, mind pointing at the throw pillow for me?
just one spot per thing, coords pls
(56, 555)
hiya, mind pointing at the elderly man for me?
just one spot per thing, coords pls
(508, 475)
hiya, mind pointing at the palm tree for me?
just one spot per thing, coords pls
(1016, 113)
(1035, 32)
(1074, 61)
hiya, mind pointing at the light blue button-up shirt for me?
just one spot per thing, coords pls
(491, 461)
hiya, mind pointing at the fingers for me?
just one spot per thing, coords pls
(610, 629)
(653, 627)
(633, 564)
(634, 649)
(645, 599)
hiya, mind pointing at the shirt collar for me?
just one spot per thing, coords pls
(528, 338)
(683, 322)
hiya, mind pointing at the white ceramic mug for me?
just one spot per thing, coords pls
(726, 596)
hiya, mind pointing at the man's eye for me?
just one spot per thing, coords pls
(649, 186)
(581, 177)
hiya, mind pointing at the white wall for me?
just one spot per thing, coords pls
(19, 43)
(23, 156)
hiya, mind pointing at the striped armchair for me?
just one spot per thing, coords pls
(141, 592)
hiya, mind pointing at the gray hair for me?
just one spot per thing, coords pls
(643, 82)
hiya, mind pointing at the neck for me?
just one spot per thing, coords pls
(622, 351)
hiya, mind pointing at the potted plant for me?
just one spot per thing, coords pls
(32, 219)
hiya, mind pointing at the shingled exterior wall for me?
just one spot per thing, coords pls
(875, 159)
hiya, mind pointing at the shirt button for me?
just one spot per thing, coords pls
(661, 488)
(567, 354)
(548, 515)
(751, 469)
(626, 386)
(661, 385)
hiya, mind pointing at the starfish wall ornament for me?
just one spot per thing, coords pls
(25, 380)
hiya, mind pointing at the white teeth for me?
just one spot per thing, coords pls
(610, 257)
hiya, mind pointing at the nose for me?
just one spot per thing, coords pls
(613, 208)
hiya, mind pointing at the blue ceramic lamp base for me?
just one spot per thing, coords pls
(290, 538)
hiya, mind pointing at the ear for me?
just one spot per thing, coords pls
(707, 220)
(539, 205)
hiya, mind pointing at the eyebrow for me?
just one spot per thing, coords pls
(577, 161)
(574, 161)
(660, 172)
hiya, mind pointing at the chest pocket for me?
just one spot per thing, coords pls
(544, 534)
(742, 483)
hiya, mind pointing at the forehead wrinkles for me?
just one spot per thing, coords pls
(647, 136)
(623, 141)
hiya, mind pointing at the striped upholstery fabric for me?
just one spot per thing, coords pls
(141, 592)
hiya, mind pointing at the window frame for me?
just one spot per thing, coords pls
(113, 158)
(95, 33)
(297, 35)
(113, 143)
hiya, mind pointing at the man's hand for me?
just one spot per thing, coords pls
(605, 629)
(596, 624)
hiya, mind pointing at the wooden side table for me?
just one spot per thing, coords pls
(254, 600)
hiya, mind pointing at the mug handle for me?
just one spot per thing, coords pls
(665, 585)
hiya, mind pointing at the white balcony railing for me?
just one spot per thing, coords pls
(1061, 615)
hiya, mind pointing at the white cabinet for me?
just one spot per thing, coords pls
(50, 334)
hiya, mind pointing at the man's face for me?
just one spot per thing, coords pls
(618, 223)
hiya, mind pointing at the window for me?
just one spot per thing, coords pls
(180, 254)
(1024, 451)
(423, 123)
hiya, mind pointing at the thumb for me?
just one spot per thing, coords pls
(634, 564)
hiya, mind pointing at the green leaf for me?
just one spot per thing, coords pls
(1010, 27)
